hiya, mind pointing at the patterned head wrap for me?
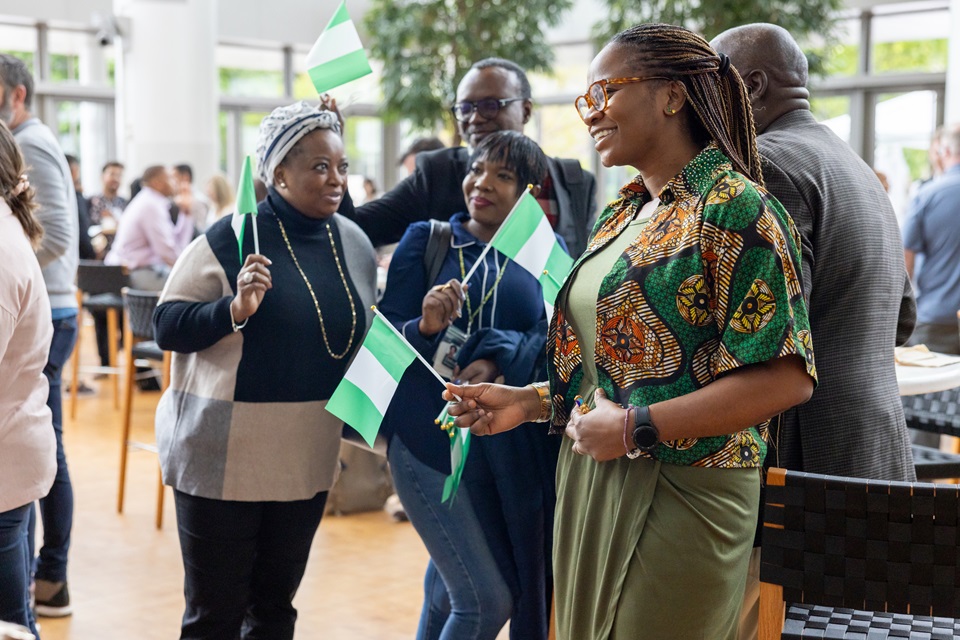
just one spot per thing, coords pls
(282, 130)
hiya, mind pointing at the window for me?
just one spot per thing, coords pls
(834, 112)
(904, 124)
(247, 71)
(364, 150)
(838, 59)
(910, 42)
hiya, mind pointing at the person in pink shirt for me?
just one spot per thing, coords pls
(28, 460)
(148, 241)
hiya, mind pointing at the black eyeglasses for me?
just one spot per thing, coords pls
(487, 108)
(596, 95)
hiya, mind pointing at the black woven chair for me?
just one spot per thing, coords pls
(938, 413)
(98, 289)
(862, 559)
(138, 346)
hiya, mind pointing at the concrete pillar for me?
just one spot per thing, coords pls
(167, 87)
(97, 134)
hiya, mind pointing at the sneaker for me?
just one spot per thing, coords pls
(53, 599)
(83, 389)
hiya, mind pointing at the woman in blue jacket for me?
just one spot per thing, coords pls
(490, 547)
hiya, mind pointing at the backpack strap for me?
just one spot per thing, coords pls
(438, 244)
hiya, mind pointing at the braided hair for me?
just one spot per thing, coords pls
(12, 186)
(714, 89)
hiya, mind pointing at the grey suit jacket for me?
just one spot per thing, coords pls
(860, 301)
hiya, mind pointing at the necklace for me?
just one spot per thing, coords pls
(346, 287)
(471, 314)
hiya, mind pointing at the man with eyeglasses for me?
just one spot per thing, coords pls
(494, 95)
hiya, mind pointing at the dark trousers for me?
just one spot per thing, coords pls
(15, 564)
(243, 562)
(56, 509)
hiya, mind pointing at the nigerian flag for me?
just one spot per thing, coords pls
(337, 57)
(527, 238)
(362, 398)
(246, 206)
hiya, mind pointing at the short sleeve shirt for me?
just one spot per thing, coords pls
(711, 284)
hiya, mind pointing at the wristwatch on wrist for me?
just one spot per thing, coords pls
(646, 436)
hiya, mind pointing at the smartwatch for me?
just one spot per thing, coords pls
(646, 436)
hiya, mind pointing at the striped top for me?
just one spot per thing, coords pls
(244, 417)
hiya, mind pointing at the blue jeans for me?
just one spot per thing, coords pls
(465, 597)
(56, 510)
(15, 568)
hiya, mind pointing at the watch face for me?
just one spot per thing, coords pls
(645, 436)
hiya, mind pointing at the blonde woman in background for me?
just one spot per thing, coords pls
(221, 196)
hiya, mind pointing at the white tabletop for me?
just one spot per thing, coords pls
(917, 380)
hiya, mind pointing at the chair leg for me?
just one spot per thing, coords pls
(165, 378)
(112, 335)
(160, 492)
(127, 418)
(552, 627)
(772, 610)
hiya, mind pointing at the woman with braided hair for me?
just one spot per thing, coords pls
(684, 328)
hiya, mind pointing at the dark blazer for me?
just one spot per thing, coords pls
(860, 301)
(434, 190)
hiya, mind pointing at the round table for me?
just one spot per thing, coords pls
(917, 380)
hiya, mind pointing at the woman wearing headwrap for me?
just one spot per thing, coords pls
(259, 348)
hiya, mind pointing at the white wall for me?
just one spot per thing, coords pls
(75, 11)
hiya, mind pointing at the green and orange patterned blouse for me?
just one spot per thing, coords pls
(712, 283)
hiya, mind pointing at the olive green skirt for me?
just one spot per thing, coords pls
(651, 551)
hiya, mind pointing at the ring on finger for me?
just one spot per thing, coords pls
(248, 277)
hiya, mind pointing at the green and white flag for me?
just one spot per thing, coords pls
(459, 448)
(362, 398)
(337, 57)
(246, 205)
(527, 238)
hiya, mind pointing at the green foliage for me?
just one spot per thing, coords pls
(427, 45)
(828, 107)
(910, 55)
(250, 82)
(710, 17)
(918, 162)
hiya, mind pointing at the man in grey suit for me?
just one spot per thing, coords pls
(860, 301)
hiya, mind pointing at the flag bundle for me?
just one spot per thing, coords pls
(246, 206)
(337, 57)
(459, 448)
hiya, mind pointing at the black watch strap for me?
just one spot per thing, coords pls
(646, 436)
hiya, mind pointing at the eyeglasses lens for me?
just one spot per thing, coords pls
(486, 109)
(598, 96)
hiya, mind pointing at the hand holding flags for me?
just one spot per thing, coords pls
(246, 205)
(337, 57)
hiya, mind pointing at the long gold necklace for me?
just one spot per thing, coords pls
(346, 287)
(471, 314)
